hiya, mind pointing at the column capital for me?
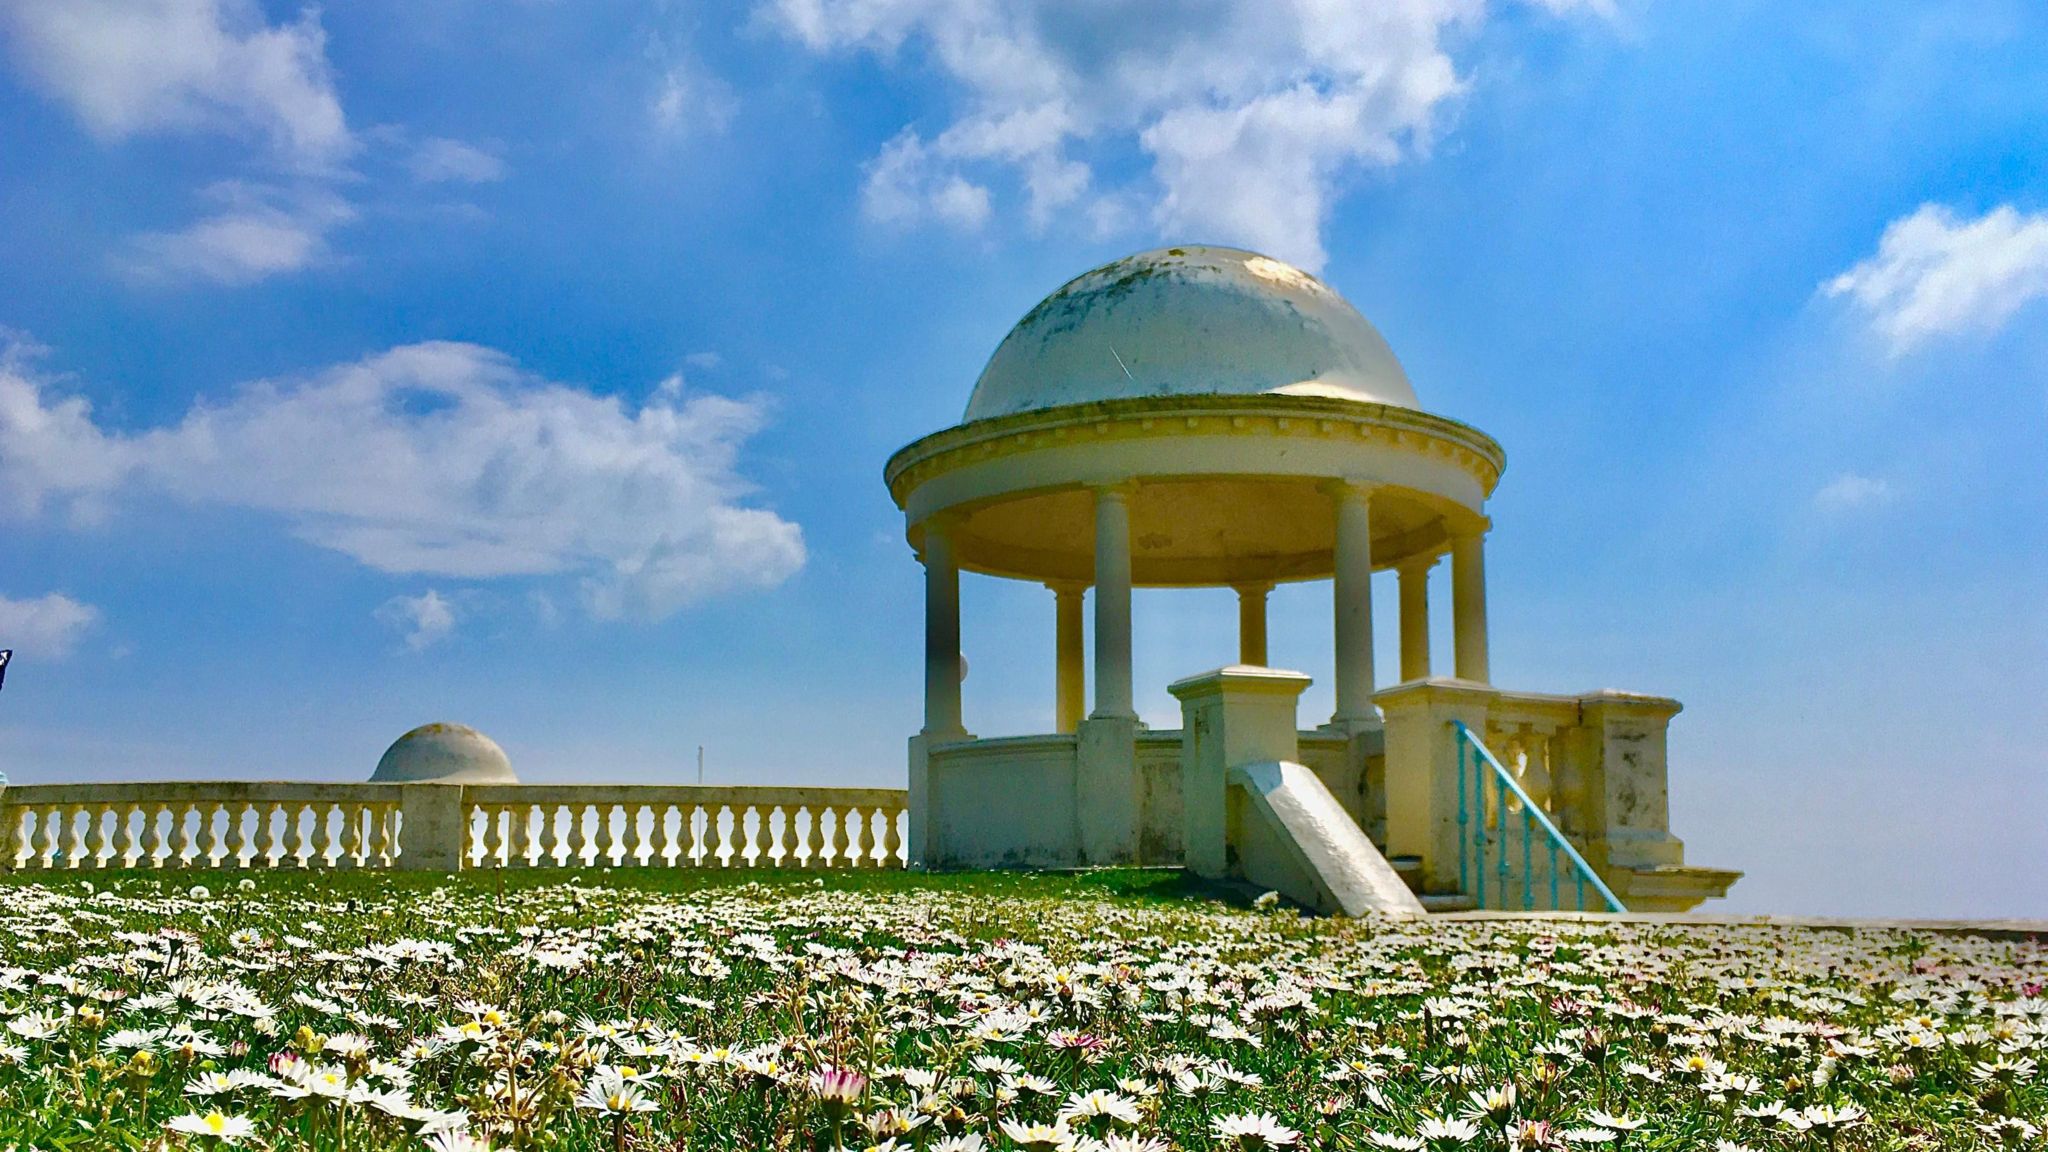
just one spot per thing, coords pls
(1115, 490)
(1417, 564)
(1252, 587)
(1067, 587)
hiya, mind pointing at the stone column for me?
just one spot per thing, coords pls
(1353, 593)
(1251, 623)
(1071, 671)
(1415, 617)
(1113, 696)
(941, 634)
(1468, 606)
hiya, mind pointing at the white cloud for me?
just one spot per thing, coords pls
(688, 98)
(439, 160)
(1849, 491)
(45, 626)
(133, 66)
(445, 460)
(906, 187)
(1936, 274)
(1251, 112)
(258, 233)
(423, 620)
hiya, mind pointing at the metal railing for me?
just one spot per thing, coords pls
(1508, 805)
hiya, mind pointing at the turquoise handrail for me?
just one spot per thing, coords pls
(1472, 860)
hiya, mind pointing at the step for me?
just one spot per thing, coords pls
(1449, 902)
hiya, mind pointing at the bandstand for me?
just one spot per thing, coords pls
(1208, 417)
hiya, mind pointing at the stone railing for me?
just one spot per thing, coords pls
(1594, 763)
(659, 826)
(445, 826)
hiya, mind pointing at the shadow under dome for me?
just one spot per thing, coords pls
(1191, 532)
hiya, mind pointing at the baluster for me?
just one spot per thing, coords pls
(579, 835)
(153, 815)
(330, 822)
(745, 842)
(382, 817)
(551, 847)
(269, 836)
(596, 823)
(691, 853)
(238, 835)
(95, 835)
(892, 840)
(658, 838)
(819, 839)
(494, 836)
(216, 832)
(355, 834)
(178, 835)
(631, 843)
(319, 835)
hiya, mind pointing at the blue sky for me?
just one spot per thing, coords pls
(533, 365)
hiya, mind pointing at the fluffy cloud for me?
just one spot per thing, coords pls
(1849, 491)
(132, 66)
(257, 233)
(46, 626)
(1251, 112)
(1936, 274)
(423, 620)
(443, 460)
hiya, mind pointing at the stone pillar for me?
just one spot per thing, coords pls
(1251, 624)
(1229, 717)
(1422, 772)
(1113, 696)
(1468, 606)
(1415, 617)
(431, 827)
(941, 634)
(1626, 806)
(1353, 595)
(1071, 670)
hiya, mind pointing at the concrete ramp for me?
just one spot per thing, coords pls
(1292, 836)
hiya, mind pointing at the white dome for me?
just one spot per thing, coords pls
(444, 754)
(1192, 320)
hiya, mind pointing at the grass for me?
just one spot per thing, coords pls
(1125, 1009)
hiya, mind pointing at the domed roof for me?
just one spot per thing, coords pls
(444, 754)
(1192, 320)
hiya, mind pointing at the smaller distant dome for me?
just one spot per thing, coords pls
(444, 754)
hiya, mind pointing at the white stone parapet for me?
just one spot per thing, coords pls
(444, 827)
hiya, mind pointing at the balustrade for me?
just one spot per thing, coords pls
(662, 826)
(342, 826)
